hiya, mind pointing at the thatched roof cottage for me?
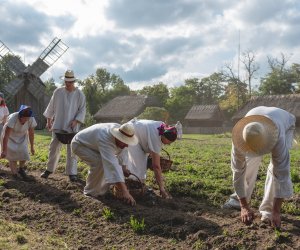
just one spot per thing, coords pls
(204, 116)
(124, 108)
(290, 103)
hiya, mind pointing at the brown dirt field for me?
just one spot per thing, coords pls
(58, 207)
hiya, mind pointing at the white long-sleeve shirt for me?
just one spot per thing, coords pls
(64, 107)
(148, 135)
(99, 139)
(285, 123)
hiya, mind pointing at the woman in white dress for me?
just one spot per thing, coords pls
(3, 112)
(151, 136)
(18, 128)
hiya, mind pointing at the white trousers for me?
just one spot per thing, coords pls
(54, 155)
(137, 161)
(252, 166)
(95, 182)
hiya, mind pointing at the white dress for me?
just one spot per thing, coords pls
(149, 141)
(178, 126)
(17, 146)
(3, 112)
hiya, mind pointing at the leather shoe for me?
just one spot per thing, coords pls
(45, 174)
(73, 178)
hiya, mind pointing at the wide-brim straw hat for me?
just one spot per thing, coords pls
(69, 76)
(125, 133)
(255, 135)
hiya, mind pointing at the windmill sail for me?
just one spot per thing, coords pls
(48, 57)
(14, 63)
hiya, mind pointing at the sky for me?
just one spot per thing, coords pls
(150, 41)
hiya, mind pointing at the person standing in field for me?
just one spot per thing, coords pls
(3, 112)
(14, 144)
(262, 131)
(65, 113)
(178, 126)
(151, 135)
(104, 148)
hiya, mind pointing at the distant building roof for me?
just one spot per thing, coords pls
(124, 107)
(290, 103)
(205, 113)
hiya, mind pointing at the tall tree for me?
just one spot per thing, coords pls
(207, 90)
(102, 87)
(251, 67)
(235, 91)
(6, 75)
(280, 79)
(160, 91)
(181, 100)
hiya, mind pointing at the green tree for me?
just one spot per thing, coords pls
(50, 86)
(280, 79)
(6, 75)
(235, 96)
(208, 90)
(155, 113)
(160, 91)
(102, 87)
(181, 100)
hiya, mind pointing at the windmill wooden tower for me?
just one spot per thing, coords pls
(27, 88)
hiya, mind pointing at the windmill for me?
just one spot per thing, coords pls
(27, 88)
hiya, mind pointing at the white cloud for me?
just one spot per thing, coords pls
(147, 42)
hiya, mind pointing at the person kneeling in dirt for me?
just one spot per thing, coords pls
(14, 147)
(104, 148)
(151, 135)
(263, 130)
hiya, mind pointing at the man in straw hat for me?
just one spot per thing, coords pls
(104, 148)
(263, 130)
(65, 112)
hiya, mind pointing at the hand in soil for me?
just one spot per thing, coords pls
(247, 215)
(276, 220)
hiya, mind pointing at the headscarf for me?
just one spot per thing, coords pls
(25, 111)
(169, 132)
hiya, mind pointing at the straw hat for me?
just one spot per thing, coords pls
(69, 76)
(255, 135)
(125, 133)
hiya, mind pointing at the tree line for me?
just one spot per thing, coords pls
(227, 88)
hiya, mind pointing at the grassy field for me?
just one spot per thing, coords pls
(201, 170)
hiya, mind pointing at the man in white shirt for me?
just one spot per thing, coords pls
(65, 112)
(263, 130)
(104, 148)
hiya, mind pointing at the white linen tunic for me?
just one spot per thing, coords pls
(96, 146)
(149, 141)
(278, 182)
(64, 107)
(17, 146)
